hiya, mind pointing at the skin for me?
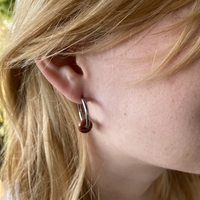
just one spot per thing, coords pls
(140, 130)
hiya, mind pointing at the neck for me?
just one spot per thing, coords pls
(117, 176)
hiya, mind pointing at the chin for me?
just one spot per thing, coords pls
(191, 168)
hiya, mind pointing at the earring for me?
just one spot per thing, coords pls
(85, 125)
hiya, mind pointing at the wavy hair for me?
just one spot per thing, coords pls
(45, 155)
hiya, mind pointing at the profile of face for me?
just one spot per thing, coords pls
(153, 122)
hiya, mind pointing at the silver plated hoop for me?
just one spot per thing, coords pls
(85, 125)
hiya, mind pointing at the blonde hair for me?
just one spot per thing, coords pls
(45, 154)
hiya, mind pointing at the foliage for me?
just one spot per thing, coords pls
(2, 139)
(1, 120)
(6, 8)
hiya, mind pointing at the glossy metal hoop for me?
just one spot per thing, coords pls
(85, 125)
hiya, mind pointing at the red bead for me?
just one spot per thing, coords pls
(82, 128)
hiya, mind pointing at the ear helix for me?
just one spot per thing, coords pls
(85, 125)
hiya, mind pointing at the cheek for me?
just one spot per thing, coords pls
(158, 123)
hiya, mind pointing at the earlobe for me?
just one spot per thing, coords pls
(64, 74)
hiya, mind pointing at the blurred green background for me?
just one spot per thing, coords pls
(6, 10)
(6, 7)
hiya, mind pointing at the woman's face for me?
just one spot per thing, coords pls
(155, 122)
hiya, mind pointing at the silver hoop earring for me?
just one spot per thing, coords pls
(85, 125)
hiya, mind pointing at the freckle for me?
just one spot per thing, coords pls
(124, 114)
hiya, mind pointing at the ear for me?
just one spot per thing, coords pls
(64, 74)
